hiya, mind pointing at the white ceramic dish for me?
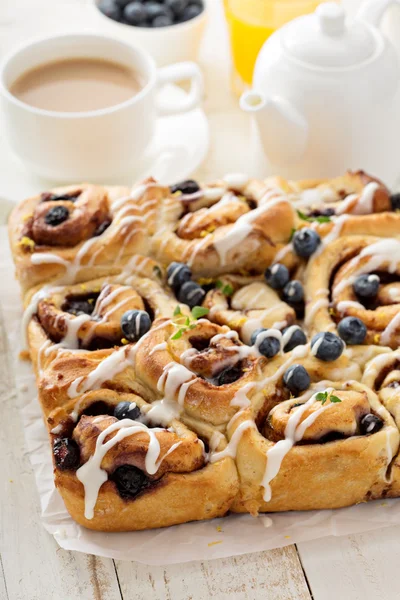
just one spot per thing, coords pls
(166, 44)
(76, 145)
(179, 146)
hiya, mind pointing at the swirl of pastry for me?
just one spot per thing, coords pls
(115, 472)
(356, 276)
(80, 232)
(196, 367)
(74, 332)
(231, 226)
(326, 448)
(246, 304)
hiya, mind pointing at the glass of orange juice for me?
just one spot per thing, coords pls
(250, 23)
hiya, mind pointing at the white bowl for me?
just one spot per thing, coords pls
(167, 45)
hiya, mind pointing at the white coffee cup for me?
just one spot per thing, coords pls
(96, 144)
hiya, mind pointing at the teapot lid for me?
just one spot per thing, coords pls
(326, 39)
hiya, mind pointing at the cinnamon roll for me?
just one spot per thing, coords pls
(117, 472)
(352, 287)
(80, 232)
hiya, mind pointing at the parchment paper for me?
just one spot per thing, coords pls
(232, 535)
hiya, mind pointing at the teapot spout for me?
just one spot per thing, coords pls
(283, 129)
(372, 11)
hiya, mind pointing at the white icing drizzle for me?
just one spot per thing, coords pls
(236, 181)
(294, 432)
(232, 446)
(57, 429)
(240, 398)
(390, 329)
(321, 303)
(343, 305)
(316, 345)
(158, 347)
(92, 476)
(105, 370)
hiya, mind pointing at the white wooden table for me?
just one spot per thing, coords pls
(357, 567)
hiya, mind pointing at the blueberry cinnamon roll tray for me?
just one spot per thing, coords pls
(206, 349)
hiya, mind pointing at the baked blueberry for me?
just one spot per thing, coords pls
(79, 307)
(189, 186)
(297, 337)
(56, 215)
(277, 276)
(395, 201)
(49, 197)
(228, 375)
(296, 379)
(370, 424)
(178, 274)
(110, 9)
(305, 242)
(267, 345)
(127, 410)
(327, 346)
(293, 292)
(366, 286)
(134, 324)
(191, 11)
(135, 13)
(129, 480)
(352, 330)
(102, 227)
(191, 294)
(66, 454)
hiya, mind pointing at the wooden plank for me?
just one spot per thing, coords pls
(34, 567)
(272, 575)
(354, 567)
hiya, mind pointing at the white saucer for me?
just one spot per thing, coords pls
(179, 146)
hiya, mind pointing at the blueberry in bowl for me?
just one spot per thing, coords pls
(151, 13)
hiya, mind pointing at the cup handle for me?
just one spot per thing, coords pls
(180, 72)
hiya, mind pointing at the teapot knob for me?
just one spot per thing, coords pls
(331, 18)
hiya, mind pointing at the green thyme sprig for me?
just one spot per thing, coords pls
(225, 288)
(320, 219)
(184, 322)
(324, 396)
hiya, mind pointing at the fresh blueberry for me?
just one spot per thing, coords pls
(122, 3)
(227, 376)
(66, 454)
(135, 13)
(327, 346)
(366, 286)
(186, 187)
(395, 201)
(370, 424)
(322, 212)
(153, 10)
(129, 480)
(178, 274)
(127, 410)
(296, 379)
(110, 9)
(352, 330)
(102, 227)
(268, 346)
(293, 292)
(297, 338)
(134, 324)
(191, 294)
(305, 242)
(277, 276)
(191, 11)
(56, 215)
(162, 21)
(177, 6)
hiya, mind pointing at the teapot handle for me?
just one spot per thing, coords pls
(373, 10)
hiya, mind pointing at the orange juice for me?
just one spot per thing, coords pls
(250, 24)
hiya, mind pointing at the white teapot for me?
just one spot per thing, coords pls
(326, 95)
